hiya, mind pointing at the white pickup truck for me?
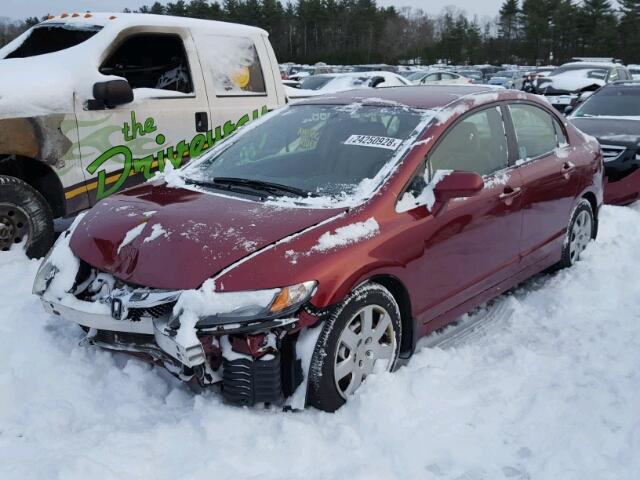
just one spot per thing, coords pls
(94, 103)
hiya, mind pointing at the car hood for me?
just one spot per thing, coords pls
(610, 130)
(567, 83)
(175, 238)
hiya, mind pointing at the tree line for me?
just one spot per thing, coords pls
(360, 31)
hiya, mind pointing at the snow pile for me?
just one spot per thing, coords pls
(549, 392)
(347, 235)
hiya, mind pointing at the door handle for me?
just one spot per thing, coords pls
(202, 122)
(567, 169)
(509, 193)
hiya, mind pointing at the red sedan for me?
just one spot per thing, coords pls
(314, 248)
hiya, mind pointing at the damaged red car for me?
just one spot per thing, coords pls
(316, 246)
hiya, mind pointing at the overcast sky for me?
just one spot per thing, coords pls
(28, 8)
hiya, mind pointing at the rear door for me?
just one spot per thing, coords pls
(551, 180)
(472, 244)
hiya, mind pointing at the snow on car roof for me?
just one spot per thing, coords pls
(125, 20)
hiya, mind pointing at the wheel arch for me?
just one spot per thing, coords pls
(38, 175)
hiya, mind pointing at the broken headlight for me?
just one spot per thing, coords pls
(249, 306)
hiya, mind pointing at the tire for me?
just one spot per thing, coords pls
(26, 219)
(324, 390)
(581, 230)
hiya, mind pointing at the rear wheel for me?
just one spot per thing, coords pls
(581, 231)
(360, 338)
(26, 220)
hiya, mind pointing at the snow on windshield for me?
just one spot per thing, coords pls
(332, 155)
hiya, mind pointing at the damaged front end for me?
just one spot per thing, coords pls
(243, 341)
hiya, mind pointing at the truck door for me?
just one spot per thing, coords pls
(168, 121)
(240, 81)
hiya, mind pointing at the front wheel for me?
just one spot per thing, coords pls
(26, 220)
(361, 337)
(581, 231)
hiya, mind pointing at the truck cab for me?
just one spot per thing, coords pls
(93, 103)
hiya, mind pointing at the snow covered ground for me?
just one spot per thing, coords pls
(549, 390)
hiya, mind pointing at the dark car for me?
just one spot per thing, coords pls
(612, 115)
(573, 82)
(316, 247)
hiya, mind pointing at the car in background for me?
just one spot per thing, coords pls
(338, 82)
(612, 115)
(304, 72)
(573, 82)
(314, 249)
(438, 77)
(634, 70)
(471, 74)
(488, 71)
(512, 79)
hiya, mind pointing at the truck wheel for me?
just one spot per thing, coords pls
(26, 220)
(361, 337)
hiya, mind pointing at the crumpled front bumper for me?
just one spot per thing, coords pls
(188, 354)
(166, 343)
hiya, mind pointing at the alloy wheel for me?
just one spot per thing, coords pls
(368, 341)
(580, 235)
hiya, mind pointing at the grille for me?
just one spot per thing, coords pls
(159, 311)
(612, 152)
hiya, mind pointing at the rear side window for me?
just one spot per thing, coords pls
(535, 131)
(151, 61)
(477, 143)
(234, 66)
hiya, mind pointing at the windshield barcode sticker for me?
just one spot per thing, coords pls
(374, 141)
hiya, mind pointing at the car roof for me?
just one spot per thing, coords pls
(419, 96)
(126, 20)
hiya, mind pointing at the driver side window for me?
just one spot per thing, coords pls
(477, 143)
(156, 61)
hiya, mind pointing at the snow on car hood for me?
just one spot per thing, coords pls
(172, 238)
(570, 81)
(614, 130)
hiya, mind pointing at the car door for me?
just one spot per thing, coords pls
(473, 243)
(167, 121)
(549, 176)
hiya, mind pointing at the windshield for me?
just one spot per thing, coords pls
(53, 37)
(315, 82)
(320, 150)
(416, 76)
(615, 102)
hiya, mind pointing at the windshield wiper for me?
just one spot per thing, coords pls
(270, 187)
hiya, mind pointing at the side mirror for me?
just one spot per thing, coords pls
(568, 109)
(457, 185)
(110, 94)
